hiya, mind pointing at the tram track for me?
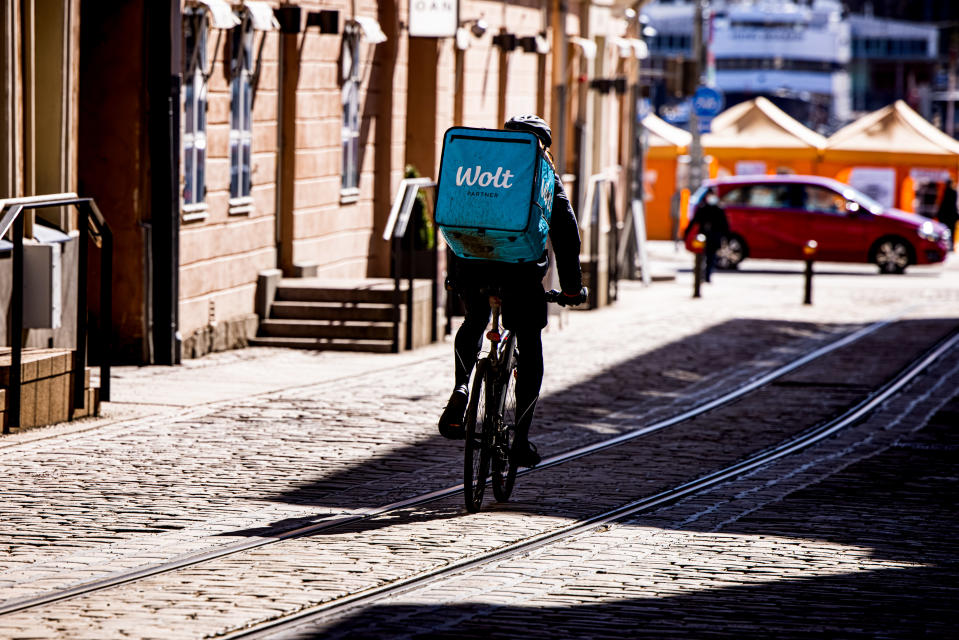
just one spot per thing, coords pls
(726, 398)
(342, 607)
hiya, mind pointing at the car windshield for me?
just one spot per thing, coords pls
(698, 195)
(852, 194)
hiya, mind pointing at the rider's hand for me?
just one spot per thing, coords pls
(573, 299)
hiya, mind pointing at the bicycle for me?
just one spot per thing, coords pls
(491, 414)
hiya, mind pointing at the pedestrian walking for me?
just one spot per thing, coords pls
(709, 219)
(947, 213)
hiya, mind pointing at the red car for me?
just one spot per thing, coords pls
(775, 216)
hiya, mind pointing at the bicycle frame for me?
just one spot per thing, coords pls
(490, 443)
(494, 335)
(498, 358)
(492, 376)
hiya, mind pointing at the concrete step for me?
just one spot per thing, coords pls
(343, 314)
(344, 311)
(369, 290)
(325, 344)
(280, 328)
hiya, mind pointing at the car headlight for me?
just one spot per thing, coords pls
(927, 231)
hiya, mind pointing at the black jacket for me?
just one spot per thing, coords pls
(710, 220)
(947, 213)
(563, 234)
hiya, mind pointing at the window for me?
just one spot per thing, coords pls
(774, 196)
(194, 109)
(350, 130)
(739, 195)
(241, 110)
(766, 196)
(824, 200)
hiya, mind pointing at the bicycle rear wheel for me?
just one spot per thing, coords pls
(476, 461)
(504, 473)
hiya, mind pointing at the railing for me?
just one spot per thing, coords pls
(402, 254)
(91, 221)
(626, 240)
(597, 217)
(632, 245)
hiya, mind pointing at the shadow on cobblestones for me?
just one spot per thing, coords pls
(901, 505)
(650, 386)
(406, 517)
(852, 606)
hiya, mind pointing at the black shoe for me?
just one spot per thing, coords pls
(454, 415)
(523, 454)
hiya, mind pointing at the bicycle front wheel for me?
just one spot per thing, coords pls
(478, 440)
(504, 473)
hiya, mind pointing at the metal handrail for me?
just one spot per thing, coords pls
(92, 221)
(401, 246)
(599, 195)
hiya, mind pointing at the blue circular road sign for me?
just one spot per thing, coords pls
(707, 102)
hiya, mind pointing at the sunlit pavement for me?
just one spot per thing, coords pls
(854, 538)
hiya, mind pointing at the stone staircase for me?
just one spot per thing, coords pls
(46, 391)
(344, 315)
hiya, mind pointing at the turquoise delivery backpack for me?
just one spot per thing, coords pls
(495, 194)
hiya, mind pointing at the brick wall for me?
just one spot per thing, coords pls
(222, 251)
(223, 248)
(320, 226)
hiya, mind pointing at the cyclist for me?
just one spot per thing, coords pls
(523, 308)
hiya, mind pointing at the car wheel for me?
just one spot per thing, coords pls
(892, 255)
(732, 251)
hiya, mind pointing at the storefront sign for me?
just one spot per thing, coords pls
(879, 183)
(750, 168)
(434, 18)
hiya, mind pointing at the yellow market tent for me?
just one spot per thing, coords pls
(758, 137)
(890, 154)
(665, 145)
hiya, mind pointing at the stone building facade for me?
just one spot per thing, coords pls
(224, 140)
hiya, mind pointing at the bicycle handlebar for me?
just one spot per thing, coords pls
(558, 297)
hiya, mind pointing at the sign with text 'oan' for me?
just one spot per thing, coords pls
(434, 18)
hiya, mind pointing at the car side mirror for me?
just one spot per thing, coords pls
(853, 208)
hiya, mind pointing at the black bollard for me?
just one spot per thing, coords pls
(809, 251)
(699, 245)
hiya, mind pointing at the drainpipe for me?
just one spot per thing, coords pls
(164, 69)
(558, 10)
(289, 69)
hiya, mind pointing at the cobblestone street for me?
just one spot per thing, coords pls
(852, 537)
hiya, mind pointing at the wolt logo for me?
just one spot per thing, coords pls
(500, 179)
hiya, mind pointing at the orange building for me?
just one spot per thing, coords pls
(893, 155)
(758, 137)
(664, 194)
